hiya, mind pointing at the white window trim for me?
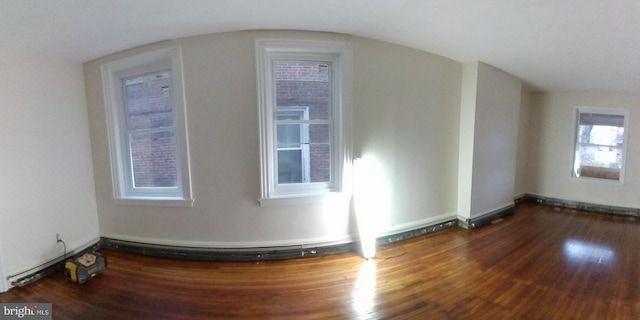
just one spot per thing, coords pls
(112, 73)
(601, 110)
(340, 55)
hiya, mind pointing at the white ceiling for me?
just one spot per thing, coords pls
(550, 44)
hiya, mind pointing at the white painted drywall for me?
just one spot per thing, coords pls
(552, 147)
(406, 110)
(407, 118)
(47, 181)
(487, 172)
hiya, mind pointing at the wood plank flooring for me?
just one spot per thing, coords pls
(540, 263)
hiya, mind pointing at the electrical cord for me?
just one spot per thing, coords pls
(383, 258)
(64, 256)
(28, 279)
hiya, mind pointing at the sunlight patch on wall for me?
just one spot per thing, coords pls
(371, 201)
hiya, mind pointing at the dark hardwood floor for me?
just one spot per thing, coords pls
(540, 263)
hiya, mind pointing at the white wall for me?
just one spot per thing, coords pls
(406, 110)
(47, 182)
(553, 122)
(488, 162)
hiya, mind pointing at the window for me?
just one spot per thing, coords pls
(303, 105)
(600, 144)
(145, 115)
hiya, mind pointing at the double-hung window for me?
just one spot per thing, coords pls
(146, 119)
(303, 106)
(600, 144)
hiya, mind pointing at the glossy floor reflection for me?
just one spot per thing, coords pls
(577, 251)
(364, 293)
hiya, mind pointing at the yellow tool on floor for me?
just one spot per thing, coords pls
(85, 267)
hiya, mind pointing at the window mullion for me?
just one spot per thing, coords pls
(598, 145)
(151, 130)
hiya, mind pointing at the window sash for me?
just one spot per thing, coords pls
(293, 117)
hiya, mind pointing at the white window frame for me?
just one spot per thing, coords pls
(340, 56)
(113, 74)
(606, 111)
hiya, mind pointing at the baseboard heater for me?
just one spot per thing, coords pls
(48, 268)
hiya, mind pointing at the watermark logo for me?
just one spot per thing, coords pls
(40, 311)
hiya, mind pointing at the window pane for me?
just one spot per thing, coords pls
(148, 101)
(290, 166)
(320, 152)
(320, 158)
(598, 162)
(289, 135)
(304, 83)
(598, 156)
(319, 133)
(601, 135)
(601, 119)
(153, 158)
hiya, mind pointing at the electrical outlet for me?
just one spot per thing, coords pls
(58, 239)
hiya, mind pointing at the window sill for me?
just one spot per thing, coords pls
(303, 199)
(155, 202)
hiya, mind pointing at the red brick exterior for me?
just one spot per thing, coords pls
(306, 85)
